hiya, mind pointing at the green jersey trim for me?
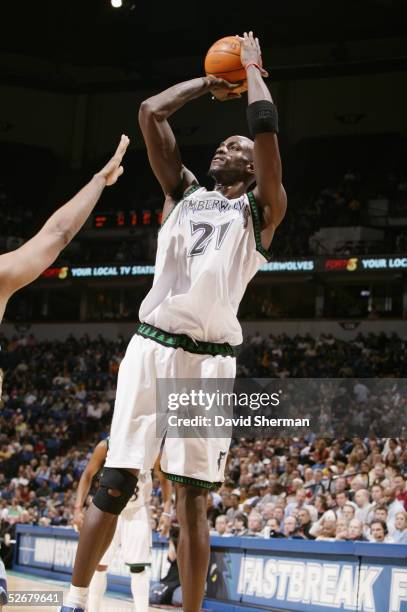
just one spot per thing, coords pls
(195, 482)
(257, 226)
(184, 342)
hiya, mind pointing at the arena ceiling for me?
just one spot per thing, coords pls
(137, 37)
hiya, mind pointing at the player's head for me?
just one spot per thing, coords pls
(233, 161)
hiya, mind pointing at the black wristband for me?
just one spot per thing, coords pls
(262, 116)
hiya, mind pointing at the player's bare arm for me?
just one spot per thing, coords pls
(22, 266)
(95, 463)
(162, 149)
(269, 191)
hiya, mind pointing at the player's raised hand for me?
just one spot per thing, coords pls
(221, 89)
(113, 168)
(250, 52)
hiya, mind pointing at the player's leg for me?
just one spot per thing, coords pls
(116, 487)
(136, 549)
(197, 465)
(193, 544)
(98, 584)
(140, 586)
(97, 588)
(132, 446)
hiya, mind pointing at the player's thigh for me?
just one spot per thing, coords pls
(199, 458)
(134, 437)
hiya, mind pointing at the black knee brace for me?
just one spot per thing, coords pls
(122, 481)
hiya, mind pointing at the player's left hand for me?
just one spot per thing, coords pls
(250, 52)
(164, 526)
(222, 90)
(113, 169)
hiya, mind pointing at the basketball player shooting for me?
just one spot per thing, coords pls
(210, 245)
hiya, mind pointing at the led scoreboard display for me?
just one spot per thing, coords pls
(127, 220)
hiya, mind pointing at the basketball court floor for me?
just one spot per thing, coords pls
(26, 582)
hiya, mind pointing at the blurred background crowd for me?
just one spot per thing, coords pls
(57, 404)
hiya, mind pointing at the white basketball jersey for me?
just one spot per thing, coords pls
(208, 250)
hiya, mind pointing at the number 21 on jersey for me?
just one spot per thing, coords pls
(205, 232)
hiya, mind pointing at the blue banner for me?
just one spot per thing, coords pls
(252, 573)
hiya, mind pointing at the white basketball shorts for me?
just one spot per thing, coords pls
(133, 441)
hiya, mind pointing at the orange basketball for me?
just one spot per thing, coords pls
(223, 61)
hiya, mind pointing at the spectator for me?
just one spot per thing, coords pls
(393, 505)
(221, 526)
(305, 520)
(399, 533)
(300, 502)
(273, 529)
(255, 524)
(355, 531)
(348, 512)
(399, 483)
(363, 505)
(240, 525)
(233, 510)
(379, 533)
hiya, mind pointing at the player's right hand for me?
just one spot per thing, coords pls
(221, 89)
(113, 169)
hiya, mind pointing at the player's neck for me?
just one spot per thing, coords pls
(231, 191)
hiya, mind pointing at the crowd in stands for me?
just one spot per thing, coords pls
(57, 403)
(315, 489)
(366, 356)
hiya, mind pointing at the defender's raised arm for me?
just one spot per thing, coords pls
(20, 267)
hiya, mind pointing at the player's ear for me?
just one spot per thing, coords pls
(250, 167)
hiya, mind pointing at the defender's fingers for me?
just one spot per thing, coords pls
(123, 144)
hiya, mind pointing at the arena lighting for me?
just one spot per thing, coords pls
(116, 3)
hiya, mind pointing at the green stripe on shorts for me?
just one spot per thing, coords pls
(202, 484)
(184, 342)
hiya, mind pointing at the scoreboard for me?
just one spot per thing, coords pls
(126, 219)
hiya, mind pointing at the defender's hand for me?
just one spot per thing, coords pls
(111, 172)
(164, 525)
(221, 89)
(78, 519)
(250, 52)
